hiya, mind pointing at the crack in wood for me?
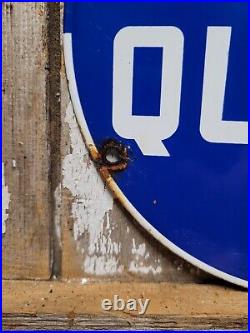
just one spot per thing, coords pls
(54, 138)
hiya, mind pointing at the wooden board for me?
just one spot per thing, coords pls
(26, 150)
(52, 322)
(75, 306)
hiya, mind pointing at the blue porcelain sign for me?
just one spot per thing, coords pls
(167, 83)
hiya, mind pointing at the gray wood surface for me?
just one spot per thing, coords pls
(26, 149)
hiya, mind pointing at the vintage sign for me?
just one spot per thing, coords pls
(160, 93)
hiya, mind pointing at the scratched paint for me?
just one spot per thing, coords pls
(94, 229)
(5, 201)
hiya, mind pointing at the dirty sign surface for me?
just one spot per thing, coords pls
(161, 98)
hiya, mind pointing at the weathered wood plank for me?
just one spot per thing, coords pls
(42, 322)
(26, 153)
(54, 305)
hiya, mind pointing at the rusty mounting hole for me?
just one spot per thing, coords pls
(113, 153)
(112, 156)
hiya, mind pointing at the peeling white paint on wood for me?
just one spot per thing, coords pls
(140, 258)
(91, 207)
(96, 233)
(5, 201)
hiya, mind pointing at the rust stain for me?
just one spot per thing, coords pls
(106, 168)
(101, 158)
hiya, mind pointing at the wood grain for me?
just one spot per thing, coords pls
(44, 322)
(54, 135)
(26, 151)
(54, 305)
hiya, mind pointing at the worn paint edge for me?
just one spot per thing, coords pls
(5, 201)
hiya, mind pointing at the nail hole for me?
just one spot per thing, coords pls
(114, 155)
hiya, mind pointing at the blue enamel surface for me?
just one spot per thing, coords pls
(197, 198)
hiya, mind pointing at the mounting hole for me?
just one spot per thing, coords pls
(112, 156)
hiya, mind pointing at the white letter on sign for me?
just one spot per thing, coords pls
(147, 131)
(212, 127)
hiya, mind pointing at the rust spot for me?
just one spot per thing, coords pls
(105, 169)
(114, 155)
